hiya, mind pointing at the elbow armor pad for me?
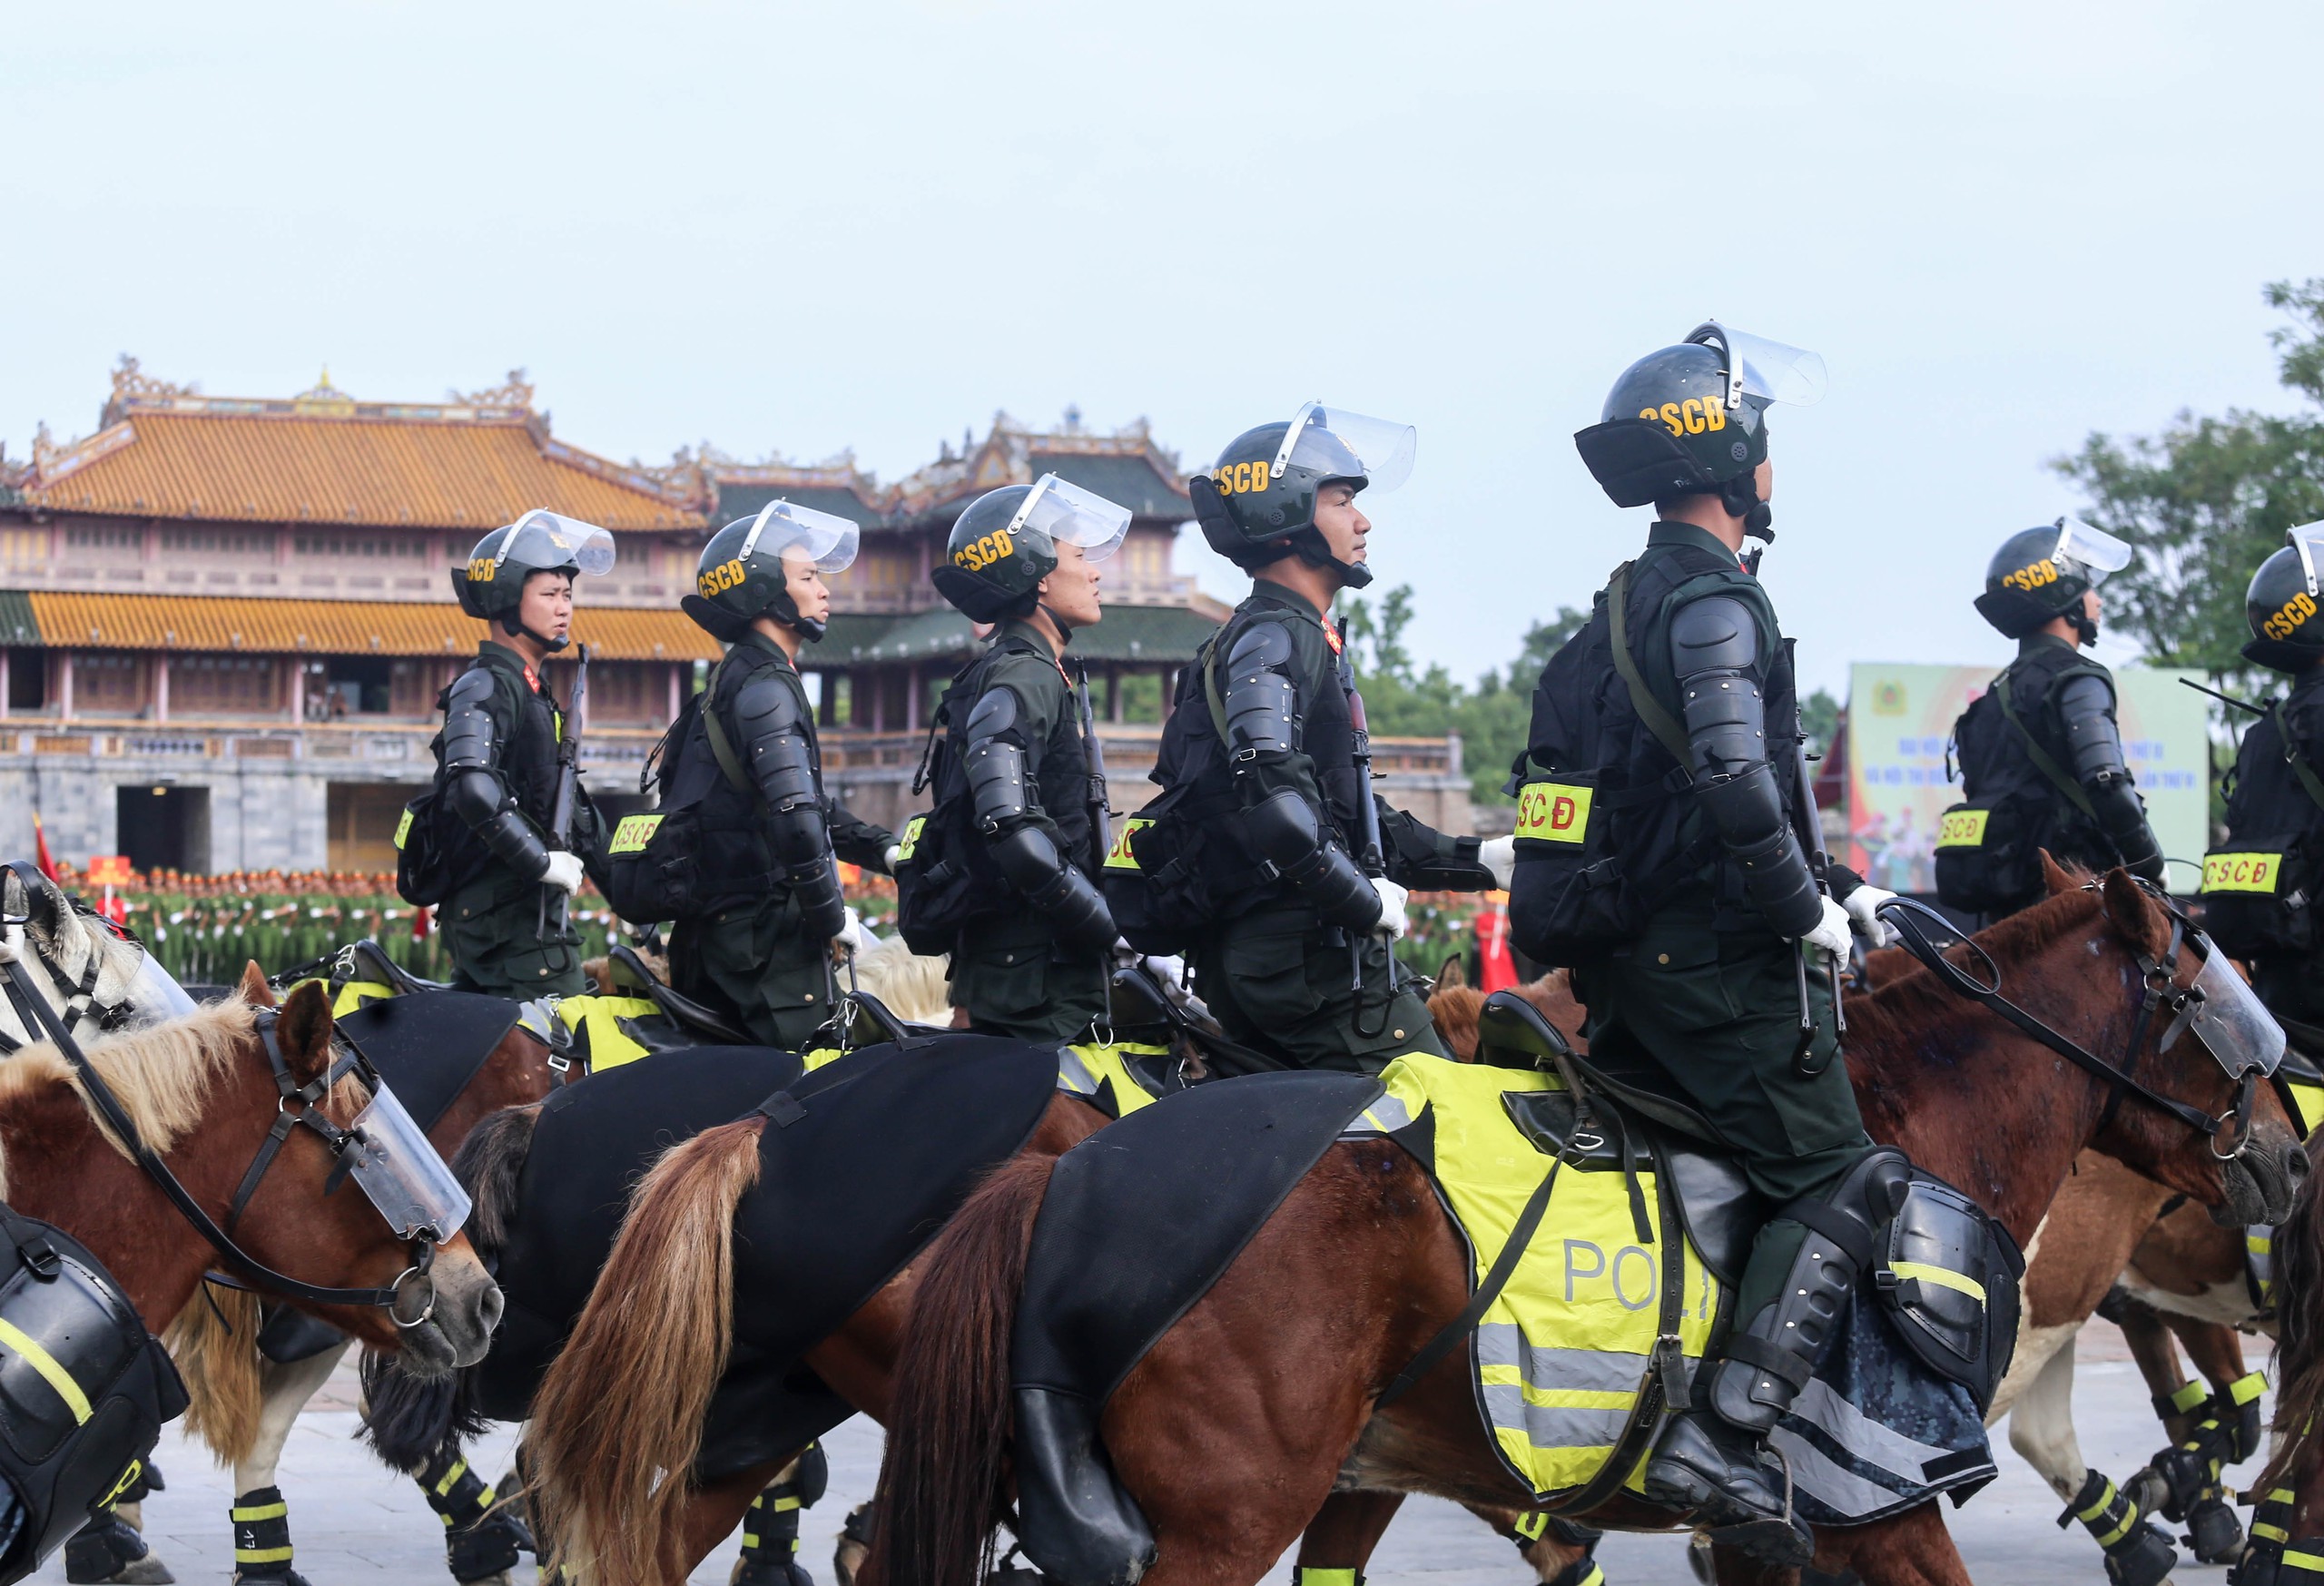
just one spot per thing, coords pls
(477, 798)
(471, 739)
(767, 718)
(995, 766)
(1259, 695)
(1062, 893)
(1713, 643)
(1282, 830)
(2086, 706)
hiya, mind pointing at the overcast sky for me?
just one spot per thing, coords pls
(801, 229)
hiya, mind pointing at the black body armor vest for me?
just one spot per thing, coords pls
(1996, 767)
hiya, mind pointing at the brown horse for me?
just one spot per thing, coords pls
(201, 1092)
(1237, 1424)
(243, 1406)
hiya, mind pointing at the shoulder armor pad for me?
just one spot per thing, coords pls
(762, 705)
(1714, 633)
(1263, 645)
(2084, 695)
(471, 688)
(996, 713)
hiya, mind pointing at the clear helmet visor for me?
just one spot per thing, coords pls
(829, 540)
(154, 993)
(2228, 1018)
(1323, 440)
(2093, 549)
(1071, 516)
(2307, 539)
(551, 539)
(403, 1175)
(1770, 370)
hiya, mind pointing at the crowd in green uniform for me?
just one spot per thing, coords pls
(1667, 848)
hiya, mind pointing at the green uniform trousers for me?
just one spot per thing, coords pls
(1716, 1019)
(756, 962)
(1014, 980)
(492, 930)
(1279, 980)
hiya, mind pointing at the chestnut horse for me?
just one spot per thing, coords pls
(2287, 1527)
(1237, 1424)
(199, 1091)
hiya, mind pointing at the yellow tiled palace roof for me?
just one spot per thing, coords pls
(335, 627)
(322, 457)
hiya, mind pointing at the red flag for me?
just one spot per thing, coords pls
(1496, 971)
(419, 917)
(40, 842)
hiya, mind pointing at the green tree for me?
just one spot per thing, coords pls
(2207, 500)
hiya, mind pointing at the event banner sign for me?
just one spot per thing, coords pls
(1900, 719)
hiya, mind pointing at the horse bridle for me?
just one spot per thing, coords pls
(79, 1000)
(2161, 990)
(296, 1105)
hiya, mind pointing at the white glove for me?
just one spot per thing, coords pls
(564, 872)
(894, 857)
(1392, 923)
(1861, 906)
(1499, 855)
(849, 937)
(1831, 936)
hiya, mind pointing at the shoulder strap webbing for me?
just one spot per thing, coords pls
(2295, 759)
(1659, 722)
(1210, 688)
(2042, 759)
(721, 748)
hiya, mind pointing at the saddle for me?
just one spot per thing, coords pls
(368, 960)
(705, 1027)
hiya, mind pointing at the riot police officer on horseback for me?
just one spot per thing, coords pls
(2041, 752)
(493, 853)
(1002, 871)
(1664, 841)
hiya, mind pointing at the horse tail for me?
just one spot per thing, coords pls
(2298, 1271)
(215, 1342)
(406, 1420)
(942, 1483)
(617, 1423)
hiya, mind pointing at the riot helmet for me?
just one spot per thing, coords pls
(2039, 575)
(741, 575)
(491, 588)
(1005, 543)
(1691, 419)
(1258, 500)
(2282, 604)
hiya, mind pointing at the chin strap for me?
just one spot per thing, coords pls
(1311, 547)
(510, 624)
(1741, 497)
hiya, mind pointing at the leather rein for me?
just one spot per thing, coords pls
(297, 1106)
(2160, 990)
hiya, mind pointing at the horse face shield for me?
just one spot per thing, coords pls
(154, 994)
(403, 1175)
(2229, 1019)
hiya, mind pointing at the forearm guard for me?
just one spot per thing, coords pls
(1282, 830)
(767, 720)
(476, 797)
(2086, 707)
(1747, 810)
(1062, 893)
(2122, 815)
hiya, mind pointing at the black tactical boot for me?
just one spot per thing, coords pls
(263, 1539)
(1714, 1471)
(771, 1530)
(2136, 1553)
(110, 1550)
(480, 1540)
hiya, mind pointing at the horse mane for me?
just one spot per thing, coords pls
(911, 985)
(2298, 1255)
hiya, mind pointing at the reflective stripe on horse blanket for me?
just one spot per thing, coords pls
(861, 1162)
(428, 1045)
(1139, 1221)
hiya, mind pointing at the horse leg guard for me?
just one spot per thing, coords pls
(108, 1549)
(771, 1530)
(479, 1541)
(2213, 1530)
(262, 1538)
(1531, 1529)
(2136, 1553)
(2273, 1547)
(854, 1544)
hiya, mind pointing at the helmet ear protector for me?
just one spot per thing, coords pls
(977, 600)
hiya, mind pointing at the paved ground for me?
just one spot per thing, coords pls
(354, 1523)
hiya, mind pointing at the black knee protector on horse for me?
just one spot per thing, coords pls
(2263, 1564)
(2214, 1530)
(263, 1537)
(1769, 1360)
(2136, 1553)
(480, 1541)
(807, 1480)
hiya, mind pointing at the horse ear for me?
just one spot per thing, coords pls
(2133, 914)
(2055, 876)
(255, 990)
(304, 1030)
